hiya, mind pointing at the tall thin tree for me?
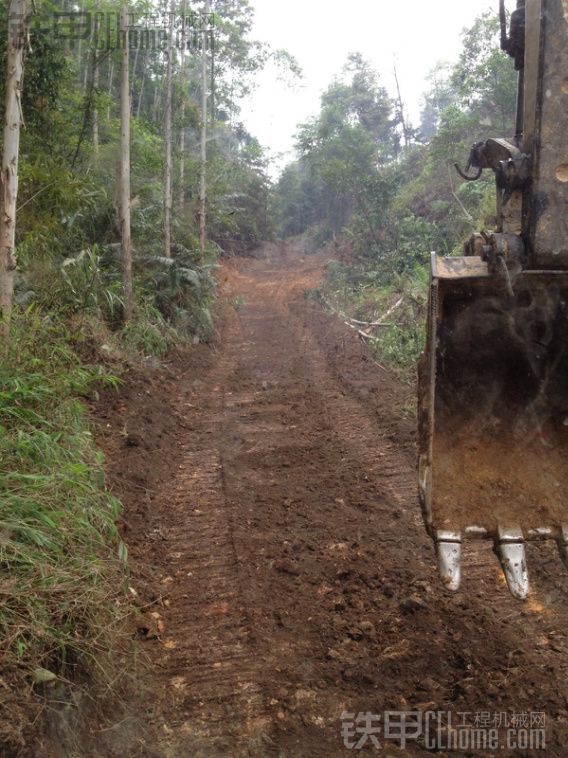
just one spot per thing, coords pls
(141, 92)
(203, 179)
(110, 80)
(168, 140)
(402, 116)
(10, 155)
(95, 107)
(95, 63)
(124, 170)
(182, 78)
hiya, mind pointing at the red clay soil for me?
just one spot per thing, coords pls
(278, 554)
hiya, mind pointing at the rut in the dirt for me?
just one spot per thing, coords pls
(295, 577)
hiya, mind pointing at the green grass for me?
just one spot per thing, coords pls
(357, 291)
(400, 347)
(63, 604)
(149, 333)
(61, 567)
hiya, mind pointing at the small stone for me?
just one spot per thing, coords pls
(355, 633)
(368, 629)
(284, 567)
(412, 604)
(427, 685)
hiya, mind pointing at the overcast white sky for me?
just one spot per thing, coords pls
(321, 33)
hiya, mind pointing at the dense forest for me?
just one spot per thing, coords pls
(386, 191)
(74, 315)
(134, 174)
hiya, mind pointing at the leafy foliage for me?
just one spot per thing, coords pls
(59, 552)
(61, 569)
(396, 204)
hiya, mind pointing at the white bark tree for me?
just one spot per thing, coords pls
(95, 109)
(10, 155)
(203, 180)
(124, 171)
(96, 81)
(141, 93)
(110, 79)
(168, 126)
(181, 201)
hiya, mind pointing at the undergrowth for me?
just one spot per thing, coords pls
(62, 563)
(63, 570)
(61, 559)
(359, 294)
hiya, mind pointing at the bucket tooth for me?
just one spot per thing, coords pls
(563, 544)
(448, 548)
(512, 554)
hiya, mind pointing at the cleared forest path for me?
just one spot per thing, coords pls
(295, 577)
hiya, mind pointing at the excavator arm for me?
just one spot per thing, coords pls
(493, 381)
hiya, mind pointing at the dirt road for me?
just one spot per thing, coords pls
(272, 519)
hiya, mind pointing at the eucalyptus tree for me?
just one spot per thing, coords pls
(124, 170)
(203, 151)
(10, 155)
(168, 134)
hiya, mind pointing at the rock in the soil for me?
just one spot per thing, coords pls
(413, 604)
(355, 633)
(427, 685)
(285, 567)
(368, 629)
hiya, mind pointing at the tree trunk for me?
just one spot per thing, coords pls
(110, 78)
(10, 155)
(141, 93)
(168, 175)
(213, 93)
(134, 69)
(203, 182)
(181, 201)
(124, 172)
(157, 98)
(80, 60)
(95, 95)
(405, 131)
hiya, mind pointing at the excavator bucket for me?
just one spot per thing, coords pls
(493, 387)
(493, 414)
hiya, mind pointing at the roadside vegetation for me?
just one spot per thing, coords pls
(72, 316)
(62, 559)
(384, 194)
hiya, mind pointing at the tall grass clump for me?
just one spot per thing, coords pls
(61, 559)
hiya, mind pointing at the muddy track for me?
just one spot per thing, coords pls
(291, 576)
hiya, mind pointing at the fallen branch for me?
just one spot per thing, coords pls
(366, 336)
(383, 325)
(381, 321)
(360, 332)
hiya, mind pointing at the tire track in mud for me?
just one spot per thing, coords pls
(209, 673)
(299, 580)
